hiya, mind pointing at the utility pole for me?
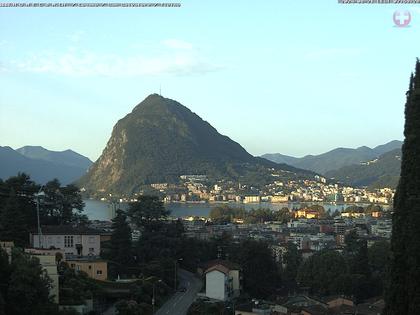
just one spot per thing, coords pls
(37, 214)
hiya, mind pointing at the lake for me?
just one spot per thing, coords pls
(102, 210)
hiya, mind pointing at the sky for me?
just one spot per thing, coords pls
(294, 76)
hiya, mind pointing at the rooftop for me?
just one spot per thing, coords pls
(66, 230)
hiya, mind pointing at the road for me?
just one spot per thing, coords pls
(179, 303)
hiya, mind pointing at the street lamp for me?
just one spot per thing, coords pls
(153, 298)
(176, 267)
(40, 193)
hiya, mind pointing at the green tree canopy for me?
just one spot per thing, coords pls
(147, 212)
(28, 287)
(17, 209)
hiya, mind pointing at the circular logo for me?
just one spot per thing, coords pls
(402, 18)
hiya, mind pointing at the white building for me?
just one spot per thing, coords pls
(74, 241)
(222, 281)
(252, 199)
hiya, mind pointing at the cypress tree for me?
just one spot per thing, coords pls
(403, 294)
(121, 251)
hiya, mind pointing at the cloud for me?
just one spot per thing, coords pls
(180, 59)
(177, 44)
(328, 53)
(77, 36)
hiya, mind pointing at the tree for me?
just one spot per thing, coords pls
(283, 215)
(128, 308)
(76, 286)
(323, 273)
(379, 254)
(260, 272)
(148, 212)
(17, 209)
(120, 245)
(292, 259)
(61, 204)
(372, 208)
(352, 242)
(403, 295)
(5, 270)
(30, 285)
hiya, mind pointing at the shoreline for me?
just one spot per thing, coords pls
(206, 202)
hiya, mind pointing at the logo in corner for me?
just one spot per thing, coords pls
(402, 18)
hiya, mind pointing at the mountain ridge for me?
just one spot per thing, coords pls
(335, 158)
(381, 172)
(161, 139)
(46, 167)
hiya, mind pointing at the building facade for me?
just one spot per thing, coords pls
(222, 281)
(74, 241)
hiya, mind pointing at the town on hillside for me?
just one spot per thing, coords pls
(198, 188)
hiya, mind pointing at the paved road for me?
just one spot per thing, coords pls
(179, 303)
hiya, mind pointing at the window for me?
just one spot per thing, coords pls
(91, 249)
(68, 241)
(98, 272)
(91, 239)
(90, 267)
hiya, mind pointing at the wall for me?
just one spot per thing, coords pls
(92, 272)
(215, 285)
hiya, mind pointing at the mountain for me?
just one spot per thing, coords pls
(42, 165)
(335, 159)
(383, 171)
(161, 140)
(280, 158)
(390, 146)
(67, 157)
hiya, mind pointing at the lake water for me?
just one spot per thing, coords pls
(102, 210)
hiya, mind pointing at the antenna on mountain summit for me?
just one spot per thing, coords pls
(160, 90)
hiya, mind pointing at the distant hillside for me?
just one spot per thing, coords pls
(335, 159)
(161, 140)
(67, 157)
(45, 167)
(377, 173)
(280, 158)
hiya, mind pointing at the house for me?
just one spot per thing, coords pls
(79, 241)
(258, 307)
(48, 260)
(95, 268)
(7, 247)
(306, 213)
(222, 280)
(338, 300)
(339, 305)
(302, 301)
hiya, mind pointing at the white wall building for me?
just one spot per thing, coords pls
(74, 241)
(222, 281)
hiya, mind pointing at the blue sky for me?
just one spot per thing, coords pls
(295, 77)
